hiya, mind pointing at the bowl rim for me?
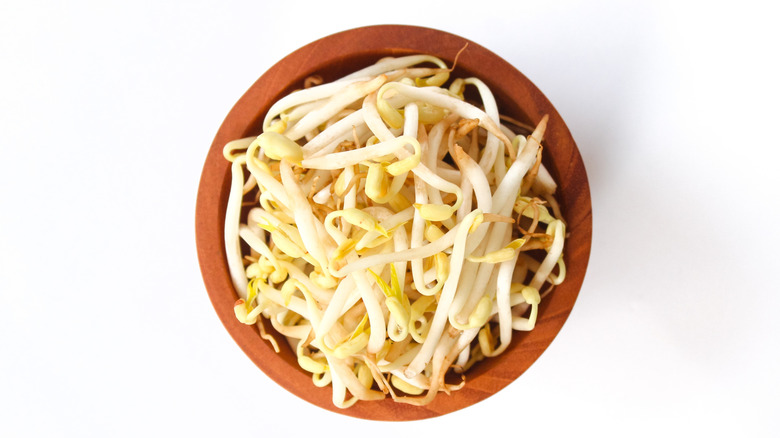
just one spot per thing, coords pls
(384, 40)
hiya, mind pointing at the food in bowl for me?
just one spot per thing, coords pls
(392, 229)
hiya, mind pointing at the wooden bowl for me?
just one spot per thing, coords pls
(337, 55)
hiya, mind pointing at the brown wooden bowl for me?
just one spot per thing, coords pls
(337, 55)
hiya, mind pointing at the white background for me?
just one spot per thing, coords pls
(107, 110)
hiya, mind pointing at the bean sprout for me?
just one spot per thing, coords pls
(396, 233)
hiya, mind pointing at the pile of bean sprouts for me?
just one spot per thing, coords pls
(396, 232)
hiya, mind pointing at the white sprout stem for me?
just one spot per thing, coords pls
(339, 388)
(264, 179)
(334, 133)
(428, 250)
(429, 275)
(257, 231)
(442, 357)
(340, 160)
(419, 381)
(374, 120)
(500, 236)
(533, 265)
(490, 150)
(418, 229)
(297, 331)
(457, 106)
(323, 196)
(391, 222)
(400, 361)
(447, 294)
(317, 179)
(411, 116)
(435, 137)
(466, 337)
(463, 357)
(304, 217)
(236, 145)
(465, 207)
(462, 345)
(250, 183)
(334, 311)
(434, 143)
(293, 115)
(349, 94)
(352, 383)
(383, 133)
(232, 219)
(556, 228)
(544, 182)
(350, 198)
(376, 317)
(390, 64)
(352, 299)
(295, 272)
(507, 191)
(296, 304)
(261, 216)
(361, 131)
(476, 180)
(271, 204)
(503, 287)
(301, 97)
(465, 289)
(400, 239)
(256, 243)
(400, 243)
(450, 175)
(433, 179)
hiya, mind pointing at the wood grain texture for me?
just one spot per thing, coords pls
(332, 57)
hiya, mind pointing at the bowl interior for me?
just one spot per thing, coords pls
(338, 55)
